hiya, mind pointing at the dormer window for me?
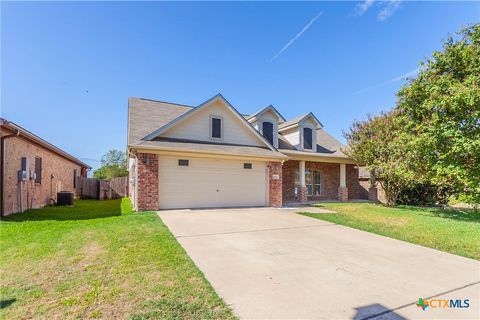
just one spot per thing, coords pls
(216, 128)
(267, 130)
(307, 138)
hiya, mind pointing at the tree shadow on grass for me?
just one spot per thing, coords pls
(467, 215)
(464, 214)
(6, 303)
(81, 210)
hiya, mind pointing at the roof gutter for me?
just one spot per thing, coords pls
(312, 156)
(139, 148)
(2, 157)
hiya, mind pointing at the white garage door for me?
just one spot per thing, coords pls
(206, 183)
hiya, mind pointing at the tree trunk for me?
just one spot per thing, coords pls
(391, 192)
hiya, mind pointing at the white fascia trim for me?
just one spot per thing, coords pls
(257, 114)
(311, 156)
(137, 148)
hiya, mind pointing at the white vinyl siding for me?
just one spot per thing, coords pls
(258, 125)
(271, 117)
(295, 135)
(198, 127)
(208, 183)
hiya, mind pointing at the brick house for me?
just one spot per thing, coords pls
(212, 156)
(33, 170)
(370, 192)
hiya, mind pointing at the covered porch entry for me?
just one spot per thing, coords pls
(305, 180)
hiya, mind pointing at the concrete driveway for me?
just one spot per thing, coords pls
(273, 263)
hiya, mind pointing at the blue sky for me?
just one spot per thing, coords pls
(67, 69)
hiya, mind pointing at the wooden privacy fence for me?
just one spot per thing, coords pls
(90, 188)
(114, 188)
(87, 188)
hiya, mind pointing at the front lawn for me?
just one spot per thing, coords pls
(453, 231)
(99, 260)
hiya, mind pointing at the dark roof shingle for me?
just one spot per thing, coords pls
(145, 116)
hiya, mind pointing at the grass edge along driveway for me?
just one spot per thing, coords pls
(99, 259)
(449, 230)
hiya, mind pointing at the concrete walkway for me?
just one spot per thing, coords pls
(273, 263)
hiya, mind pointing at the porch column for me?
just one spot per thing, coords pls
(275, 184)
(343, 190)
(147, 181)
(303, 187)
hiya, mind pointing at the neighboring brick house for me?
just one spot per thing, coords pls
(213, 156)
(44, 170)
(368, 191)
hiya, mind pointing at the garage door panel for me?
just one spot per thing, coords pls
(211, 183)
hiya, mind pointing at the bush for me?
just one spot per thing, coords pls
(461, 198)
(425, 194)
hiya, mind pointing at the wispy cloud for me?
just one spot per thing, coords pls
(361, 8)
(412, 73)
(387, 8)
(298, 35)
(396, 79)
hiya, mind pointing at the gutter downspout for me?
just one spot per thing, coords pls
(2, 158)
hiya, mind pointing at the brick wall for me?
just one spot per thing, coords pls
(363, 189)
(365, 192)
(275, 185)
(288, 173)
(35, 195)
(147, 181)
(330, 180)
(352, 182)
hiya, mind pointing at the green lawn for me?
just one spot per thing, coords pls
(99, 260)
(453, 231)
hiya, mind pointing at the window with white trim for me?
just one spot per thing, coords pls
(313, 182)
(267, 131)
(216, 128)
(307, 138)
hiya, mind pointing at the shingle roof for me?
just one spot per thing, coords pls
(191, 112)
(296, 120)
(145, 116)
(327, 144)
(291, 122)
(284, 144)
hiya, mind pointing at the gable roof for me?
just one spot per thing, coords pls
(193, 111)
(270, 107)
(295, 121)
(11, 126)
(146, 115)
